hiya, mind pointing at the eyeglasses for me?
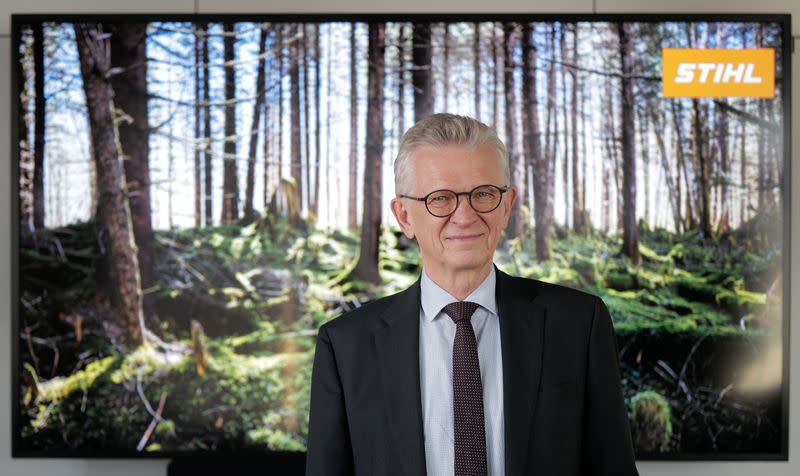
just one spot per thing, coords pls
(443, 203)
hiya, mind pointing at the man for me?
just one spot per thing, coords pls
(468, 371)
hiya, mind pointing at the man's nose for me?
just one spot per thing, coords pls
(464, 212)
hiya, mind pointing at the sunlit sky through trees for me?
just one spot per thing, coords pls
(170, 51)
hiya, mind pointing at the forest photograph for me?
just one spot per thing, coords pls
(196, 196)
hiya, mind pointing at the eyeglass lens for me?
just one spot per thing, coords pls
(482, 199)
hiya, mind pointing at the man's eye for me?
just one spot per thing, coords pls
(439, 198)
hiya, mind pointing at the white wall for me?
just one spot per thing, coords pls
(19, 467)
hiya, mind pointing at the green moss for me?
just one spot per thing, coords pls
(652, 422)
(621, 281)
(59, 387)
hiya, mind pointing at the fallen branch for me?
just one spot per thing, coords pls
(152, 426)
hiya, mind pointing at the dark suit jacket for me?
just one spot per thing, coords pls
(562, 396)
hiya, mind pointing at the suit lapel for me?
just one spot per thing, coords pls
(397, 347)
(522, 342)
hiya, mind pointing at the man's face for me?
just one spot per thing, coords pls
(465, 240)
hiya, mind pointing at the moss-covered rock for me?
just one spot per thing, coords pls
(651, 426)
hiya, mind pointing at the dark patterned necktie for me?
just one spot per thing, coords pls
(468, 426)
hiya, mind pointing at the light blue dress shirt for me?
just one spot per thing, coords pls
(436, 334)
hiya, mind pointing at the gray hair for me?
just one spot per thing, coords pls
(444, 129)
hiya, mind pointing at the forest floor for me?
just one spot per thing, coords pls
(238, 308)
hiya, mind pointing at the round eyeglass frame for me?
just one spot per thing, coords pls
(424, 199)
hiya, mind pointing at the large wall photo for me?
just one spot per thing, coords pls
(196, 195)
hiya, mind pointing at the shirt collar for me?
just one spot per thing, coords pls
(434, 298)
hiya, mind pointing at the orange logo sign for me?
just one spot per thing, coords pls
(698, 73)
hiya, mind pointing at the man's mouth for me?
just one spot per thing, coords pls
(462, 238)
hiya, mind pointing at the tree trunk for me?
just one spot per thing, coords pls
(421, 75)
(294, 117)
(550, 128)
(703, 165)
(330, 205)
(279, 117)
(630, 233)
(532, 132)
(401, 82)
(677, 115)
(230, 184)
(249, 211)
(352, 204)
(26, 162)
(446, 67)
(317, 152)
(267, 139)
(744, 201)
(113, 208)
(367, 267)
(129, 56)
(674, 197)
(306, 119)
(578, 212)
(495, 71)
(476, 68)
(644, 153)
(515, 221)
(198, 128)
(38, 126)
(208, 191)
(565, 168)
(724, 171)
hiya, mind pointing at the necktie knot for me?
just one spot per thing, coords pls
(460, 310)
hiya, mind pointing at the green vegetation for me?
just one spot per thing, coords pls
(651, 426)
(684, 284)
(259, 293)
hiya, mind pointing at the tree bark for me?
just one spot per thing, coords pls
(294, 116)
(674, 197)
(317, 152)
(532, 132)
(249, 211)
(230, 184)
(198, 128)
(306, 119)
(207, 151)
(113, 208)
(279, 118)
(401, 82)
(495, 82)
(630, 232)
(367, 267)
(352, 213)
(515, 220)
(579, 217)
(129, 56)
(476, 68)
(446, 66)
(38, 126)
(421, 74)
(565, 168)
(26, 162)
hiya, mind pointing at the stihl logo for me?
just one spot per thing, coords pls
(722, 73)
(718, 73)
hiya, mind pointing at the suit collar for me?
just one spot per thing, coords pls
(522, 324)
(433, 298)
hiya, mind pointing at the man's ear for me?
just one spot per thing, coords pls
(508, 202)
(401, 215)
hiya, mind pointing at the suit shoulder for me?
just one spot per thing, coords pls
(361, 317)
(556, 294)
